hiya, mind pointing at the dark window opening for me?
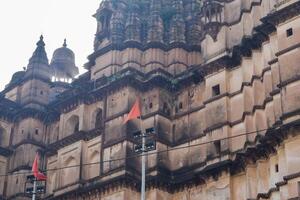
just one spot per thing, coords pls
(150, 105)
(99, 119)
(41, 92)
(17, 181)
(36, 131)
(289, 32)
(180, 105)
(22, 131)
(166, 110)
(217, 145)
(216, 90)
(76, 129)
(276, 168)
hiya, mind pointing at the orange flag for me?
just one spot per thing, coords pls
(134, 113)
(35, 169)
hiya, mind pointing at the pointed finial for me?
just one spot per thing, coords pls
(41, 41)
(65, 43)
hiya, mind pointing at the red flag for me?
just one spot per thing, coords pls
(134, 113)
(35, 169)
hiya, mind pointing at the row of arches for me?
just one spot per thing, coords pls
(73, 123)
(70, 175)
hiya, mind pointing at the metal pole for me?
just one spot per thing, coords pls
(34, 189)
(143, 185)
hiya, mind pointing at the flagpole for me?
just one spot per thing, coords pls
(143, 185)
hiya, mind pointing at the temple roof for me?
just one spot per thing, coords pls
(39, 55)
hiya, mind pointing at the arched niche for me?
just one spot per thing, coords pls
(97, 118)
(94, 168)
(69, 172)
(72, 125)
(3, 136)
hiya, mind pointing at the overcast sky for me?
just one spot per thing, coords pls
(23, 21)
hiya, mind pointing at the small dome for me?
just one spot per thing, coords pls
(63, 61)
(17, 76)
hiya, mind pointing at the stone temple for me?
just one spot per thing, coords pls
(218, 80)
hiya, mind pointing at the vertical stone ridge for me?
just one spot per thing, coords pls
(156, 27)
(177, 24)
(133, 24)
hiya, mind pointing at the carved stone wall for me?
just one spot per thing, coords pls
(217, 80)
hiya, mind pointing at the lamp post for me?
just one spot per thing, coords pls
(34, 187)
(148, 144)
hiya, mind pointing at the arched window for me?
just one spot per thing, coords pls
(2, 136)
(76, 129)
(72, 125)
(97, 119)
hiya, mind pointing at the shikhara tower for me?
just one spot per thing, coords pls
(220, 76)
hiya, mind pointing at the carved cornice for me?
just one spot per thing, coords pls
(22, 81)
(141, 47)
(20, 195)
(29, 141)
(52, 149)
(287, 178)
(44, 116)
(282, 15)
(19, 168)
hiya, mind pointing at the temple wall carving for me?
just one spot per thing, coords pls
(217, 80)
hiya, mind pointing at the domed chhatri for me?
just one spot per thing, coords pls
(63, 62)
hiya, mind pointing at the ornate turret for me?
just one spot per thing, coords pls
(194, 32)
(38, 65)
(156, 27)
(117, 27)
(63, 63)
(103, 17)
(133, 25)
(212, 17)
(36, 79)
(177, 24)
(39, 56)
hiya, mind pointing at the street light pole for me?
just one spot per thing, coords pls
(34, 189)
(143, 189)
(143, 185)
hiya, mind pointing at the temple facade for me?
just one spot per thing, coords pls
(218, 82)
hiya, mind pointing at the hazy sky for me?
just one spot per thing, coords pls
(23, 21)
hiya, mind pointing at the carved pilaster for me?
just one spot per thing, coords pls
(133, 25)
(117, 27)
(177, 24)
(156, 27)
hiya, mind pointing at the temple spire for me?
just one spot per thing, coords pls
(39, 55)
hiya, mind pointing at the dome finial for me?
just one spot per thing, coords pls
(65, 43)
